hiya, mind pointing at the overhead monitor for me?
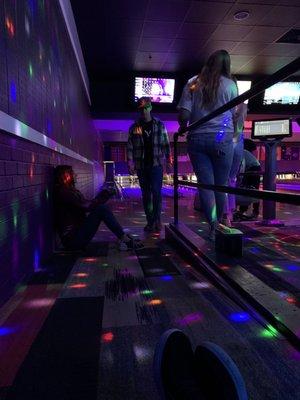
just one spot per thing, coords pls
(243, 86)
(272, 129)
(287, 93)
(161, 90)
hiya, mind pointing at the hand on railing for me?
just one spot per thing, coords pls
(182, 130)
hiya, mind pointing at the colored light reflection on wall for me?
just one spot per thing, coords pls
(36, 263)
(30, 70)
(13, 92)
(10, 27)
(107, 337)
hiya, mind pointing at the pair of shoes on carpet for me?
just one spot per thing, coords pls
(206, 374)
(130, 243)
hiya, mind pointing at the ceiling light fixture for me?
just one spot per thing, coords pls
(241, 15)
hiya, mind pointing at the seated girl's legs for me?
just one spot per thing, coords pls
(203, 169)
(88, 229)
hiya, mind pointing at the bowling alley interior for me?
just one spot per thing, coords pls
(149, 200)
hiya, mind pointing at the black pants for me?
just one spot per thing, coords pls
(252, 181)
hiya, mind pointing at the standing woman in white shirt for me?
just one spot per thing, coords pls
(210, 146)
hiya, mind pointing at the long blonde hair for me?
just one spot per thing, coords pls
(208, 80)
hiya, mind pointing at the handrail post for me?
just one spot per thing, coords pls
(175, 178)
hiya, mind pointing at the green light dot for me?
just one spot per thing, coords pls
(15, 221)
(147, 292)
(30, 70)
(270, 332)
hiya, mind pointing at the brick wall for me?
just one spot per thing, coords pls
(41, 86)
(26, 220)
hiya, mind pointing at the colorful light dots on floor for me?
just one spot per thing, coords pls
(39, 303)
(292, 267)
(154, 302)
(269, 332)
(291, 300)
(147, 292)
(200, 285)
(190, 319)
(5, 330)
(30, 70)
(239, 317)
(107, 337)
(166, 278)
(10, 27)
(78, 286)
(90, 259)
(81, 275)
(224, 267)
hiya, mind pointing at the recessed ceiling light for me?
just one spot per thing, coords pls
(241, 15)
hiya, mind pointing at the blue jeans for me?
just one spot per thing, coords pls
(85, 233)
(150, 180)
(211, 157)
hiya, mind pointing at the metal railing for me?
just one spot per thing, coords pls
(288, 198)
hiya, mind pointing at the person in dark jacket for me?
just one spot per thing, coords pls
(77, 219)
(147, 148)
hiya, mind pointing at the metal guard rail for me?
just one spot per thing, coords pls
(288, 198)
(281, 74)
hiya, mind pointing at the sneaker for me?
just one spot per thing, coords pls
(174, 367)
(148, 228)
(220, 377)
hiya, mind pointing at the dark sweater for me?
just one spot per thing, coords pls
(70, 209)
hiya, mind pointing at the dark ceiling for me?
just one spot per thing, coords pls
(177, 35)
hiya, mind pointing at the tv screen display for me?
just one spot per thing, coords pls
(276, 129)
(282, 93)
(161, 90)
(243, 86)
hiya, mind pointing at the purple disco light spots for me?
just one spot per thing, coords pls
(13, 92)
(190, 319)
(239, 317)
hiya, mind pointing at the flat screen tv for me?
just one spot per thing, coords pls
(282, 93)
(161, 90)
(272, 129)
(243, 86)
